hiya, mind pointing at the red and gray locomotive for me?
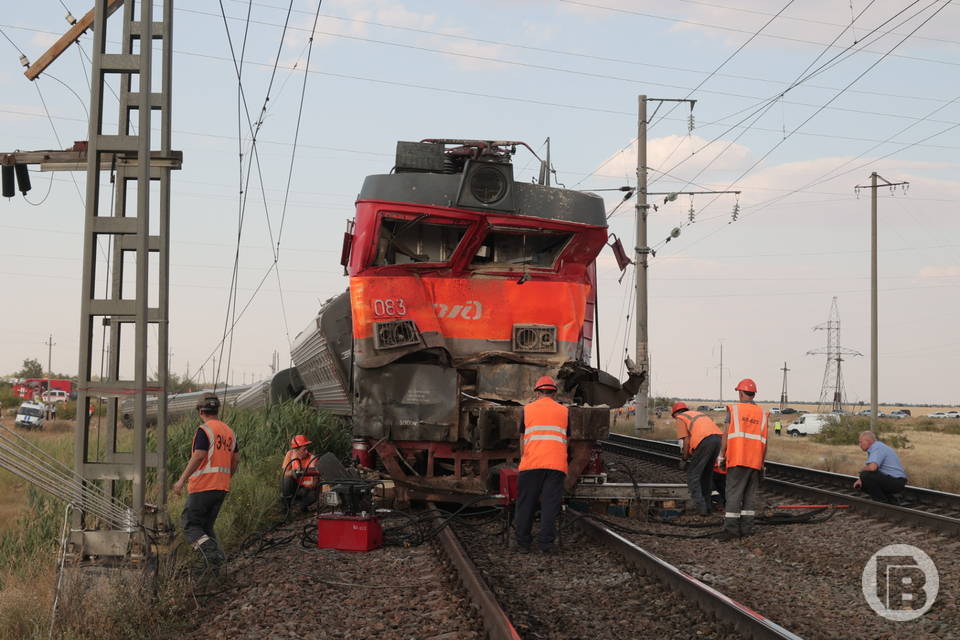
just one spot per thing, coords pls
(465, 286)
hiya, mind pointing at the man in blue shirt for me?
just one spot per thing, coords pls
(882, 476)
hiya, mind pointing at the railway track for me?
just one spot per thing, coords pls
(927, 508)
(651, 598)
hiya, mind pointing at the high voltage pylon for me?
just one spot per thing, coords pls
(831, 390)
(783, 390)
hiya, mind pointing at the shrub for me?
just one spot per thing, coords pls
(848, 429)
(938, 426)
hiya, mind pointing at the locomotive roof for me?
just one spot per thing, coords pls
(442, 190)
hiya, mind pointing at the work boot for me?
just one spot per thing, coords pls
(523, 548)
(209, 549)
(731, 529)
(746, 526)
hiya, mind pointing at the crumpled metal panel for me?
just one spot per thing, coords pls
(407, 402)
(595, 387)
(589, 423)
(508, 381)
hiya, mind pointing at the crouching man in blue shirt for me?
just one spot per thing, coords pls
(882, 476)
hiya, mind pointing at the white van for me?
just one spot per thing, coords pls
(811, 423)
(31, 415)
(55, 395)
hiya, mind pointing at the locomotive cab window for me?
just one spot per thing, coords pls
(416, 240)
(521, 247)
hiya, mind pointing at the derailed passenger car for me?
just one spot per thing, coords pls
(465, 287)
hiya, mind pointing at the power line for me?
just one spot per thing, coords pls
(837, 95)
(537, 67)
(734, 29)
(12, 43)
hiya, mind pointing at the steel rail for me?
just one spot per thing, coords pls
(495, 619)
(725, 609)
(837, 487)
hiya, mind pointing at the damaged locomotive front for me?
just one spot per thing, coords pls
(465, 286)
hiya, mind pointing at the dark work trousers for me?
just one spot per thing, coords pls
(200, 513)
(720, 484)
(880, 486)
(700, 472)
(742, 485)
(297, 496)
(546, 487)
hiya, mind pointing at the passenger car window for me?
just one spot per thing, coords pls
(534, 248)
(411, 241)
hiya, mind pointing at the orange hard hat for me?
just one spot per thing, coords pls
(545, 383)
(299, 441)
(747, 385)
(678, 406)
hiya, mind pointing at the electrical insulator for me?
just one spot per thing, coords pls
(691, 214)
(690, 123)
(24, 61)
(8, 187)
(70, 19)
(23, 178)
(736, 211)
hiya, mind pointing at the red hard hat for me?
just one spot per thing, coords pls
(299, 441)
(747, 385)
(677, 406)
(545, 382)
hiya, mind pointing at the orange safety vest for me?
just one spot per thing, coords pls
(294, 464)
(544, 435)
(699, 426)
(746, 435)
(214, 472)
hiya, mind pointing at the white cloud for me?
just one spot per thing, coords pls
(663, 152)
(940, 272)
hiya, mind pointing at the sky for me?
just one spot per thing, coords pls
(796, 104)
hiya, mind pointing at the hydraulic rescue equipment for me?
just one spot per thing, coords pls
(353, 527)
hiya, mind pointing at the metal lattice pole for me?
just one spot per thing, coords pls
(136, 165)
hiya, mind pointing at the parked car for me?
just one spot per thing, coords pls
(775, 411)
(30, 415)
(952, 414)
(788, 410)
(719, 407)
(811, 424)
(863, 412)
(703, 407)
(938, 414)
(899, 414)
(55, 395)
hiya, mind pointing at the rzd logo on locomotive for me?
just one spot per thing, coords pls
(472, 310)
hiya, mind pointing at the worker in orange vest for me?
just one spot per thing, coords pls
(212, 464)
(744, 451)
(543, 466)
(298, 488)
(699, 446)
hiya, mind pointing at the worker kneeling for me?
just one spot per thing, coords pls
(699, 447)
(543, 466)
(299, 487)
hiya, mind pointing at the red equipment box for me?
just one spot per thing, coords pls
(349, 533)
(508, 484)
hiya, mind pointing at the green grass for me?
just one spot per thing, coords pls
(28, 550)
